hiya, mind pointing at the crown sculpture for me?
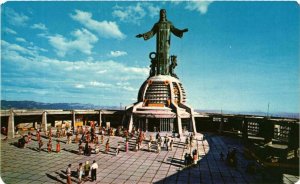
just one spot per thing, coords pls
(161, 104)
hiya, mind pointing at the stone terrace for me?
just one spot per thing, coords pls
(30, 166)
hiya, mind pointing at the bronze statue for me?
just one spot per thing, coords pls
(162, 30)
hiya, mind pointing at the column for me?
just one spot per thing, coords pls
(179, 125)
(73, 119)
(100, 119)
(11, 125)
(130, 123)
(44, 121)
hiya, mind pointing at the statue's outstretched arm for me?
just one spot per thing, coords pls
(148, 34)
(178, 32)
(139, 35)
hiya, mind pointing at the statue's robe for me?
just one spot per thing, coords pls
(162, 30)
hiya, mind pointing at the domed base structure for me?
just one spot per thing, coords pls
(161, 107)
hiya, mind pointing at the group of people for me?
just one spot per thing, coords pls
(191, 159)
(83, 172)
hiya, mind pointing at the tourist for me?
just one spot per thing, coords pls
(86, 148)
(187, 143)
(88, 137)
(40, 144)
(49, 145)
(38, 135)
(149, 146)
(158, 147)
(118, 149)
(80, 172)
(107, 146)
(80, 149)
(89, 150)
(57, 147)
(195, 156)
(171, 145)
(190, 159)
(29, 137)
(87, 168)
(69, 137)
(68, 171)
(167, 142)
(57, 133)
(94, 168)
(186, 159)
(157, 136)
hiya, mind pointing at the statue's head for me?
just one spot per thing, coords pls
(163, 14)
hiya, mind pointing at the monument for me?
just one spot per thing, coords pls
(161, 104)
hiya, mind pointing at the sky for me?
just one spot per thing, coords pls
(238, 56)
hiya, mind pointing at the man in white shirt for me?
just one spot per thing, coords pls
(94, 168)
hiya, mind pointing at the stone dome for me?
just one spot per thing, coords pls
(160, 91)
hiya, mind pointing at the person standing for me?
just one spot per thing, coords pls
(38, 135)
(94, 168)
(158, 147)
(149, 146)
(80, 172)
(107, 146)
(118, 149)
(69, 174)
(40, 144)
(86, 148)
(87, 168)
(195, 156)
(49, 146)
(57, 147)
(171, 145)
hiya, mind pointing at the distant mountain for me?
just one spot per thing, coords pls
(39, 105)
(69, 106)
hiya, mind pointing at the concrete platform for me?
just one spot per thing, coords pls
(29, 166)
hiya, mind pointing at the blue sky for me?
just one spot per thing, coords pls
(236, 56)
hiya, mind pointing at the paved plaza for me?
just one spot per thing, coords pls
(30, 166)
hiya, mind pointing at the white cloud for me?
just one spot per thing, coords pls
(10, 31)
(104, 28)
(83, 42)
(101, 71)
(117, 53)
(14, 18)
(200, 6)
(153, 10)
(99, 84)
(39, 26)
(132, 14)
(80, 86)
(27, 69)
(20, 39)
(17, 48)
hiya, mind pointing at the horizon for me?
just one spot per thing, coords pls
(237, 56)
